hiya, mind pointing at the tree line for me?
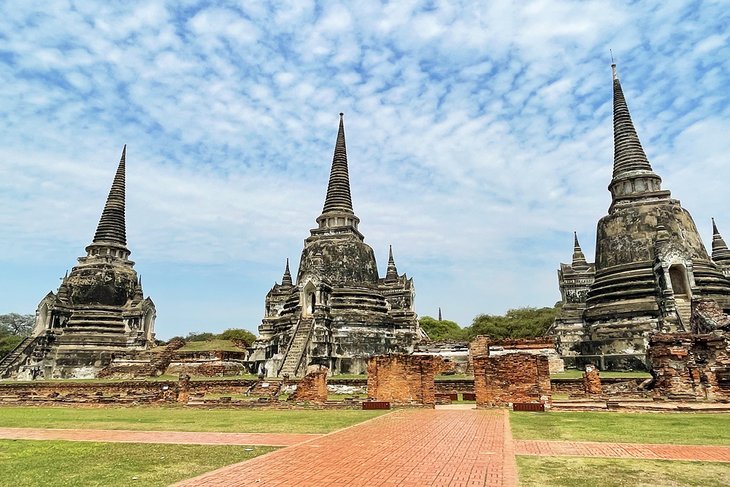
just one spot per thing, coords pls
(515, 323)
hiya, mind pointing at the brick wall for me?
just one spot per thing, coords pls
(516, 377)
(403, 379)
(312, 387)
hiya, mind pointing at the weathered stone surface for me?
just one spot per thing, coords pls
(403, 379)
(506, 379)
(339, 312)
(650, 264)
(99, 310)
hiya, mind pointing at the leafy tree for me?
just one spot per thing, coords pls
(516, 323)
(199, 337)
(17, 324)
(441, 330)
(238, 334)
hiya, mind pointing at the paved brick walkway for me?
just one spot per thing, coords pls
(622, 450)
(406, 448)
(178, 437)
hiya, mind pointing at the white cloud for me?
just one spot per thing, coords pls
(479, 136)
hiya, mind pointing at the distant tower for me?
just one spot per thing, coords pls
(339, 312)
(720, 251)
(99, 310)
(439, 313)
(650, 260)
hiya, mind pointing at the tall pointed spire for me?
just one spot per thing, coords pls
(338, 191)
(633, 176)
(112, 227)
(720, 251)
(439, 313)
(579, 259)
(392, 273)
(286, 279)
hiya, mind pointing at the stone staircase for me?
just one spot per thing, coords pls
(297, 347)
(684, 311)
(20, 352)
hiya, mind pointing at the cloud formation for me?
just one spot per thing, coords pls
(479, 137)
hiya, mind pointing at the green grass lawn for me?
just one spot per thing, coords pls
(180, 419)
(674, 428)
(604, 472)
(606, 374)
(70, 463)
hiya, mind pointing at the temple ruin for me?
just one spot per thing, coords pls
(650, 264)
(339, 312)
(98, 312)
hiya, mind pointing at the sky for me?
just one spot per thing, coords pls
(479, 137)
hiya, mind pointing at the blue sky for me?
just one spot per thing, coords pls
(479, 137)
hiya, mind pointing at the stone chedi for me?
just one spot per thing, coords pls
(99, 310)
(339, 312)
(650, 263)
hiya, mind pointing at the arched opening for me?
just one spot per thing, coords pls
(678, 278)
(309, 299)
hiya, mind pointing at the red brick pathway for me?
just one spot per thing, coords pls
(178, 437)
(622, 450)
(406, 448)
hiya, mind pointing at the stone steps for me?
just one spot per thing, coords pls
(296, 348)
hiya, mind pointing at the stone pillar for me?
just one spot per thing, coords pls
(502, 380)
(592, 380)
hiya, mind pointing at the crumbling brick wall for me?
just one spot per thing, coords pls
(312, 387)
(516, 377)
(592, 380)
(403, 379)
(707, 316)
(690, 365)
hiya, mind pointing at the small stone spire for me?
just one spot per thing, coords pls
(392, 273)
(579, 259)
(720, 251)
(633, 176)
(286, 280)
(439, 313)
(112, 227)
(338, 191)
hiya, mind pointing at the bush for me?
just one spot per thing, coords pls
(441, 330)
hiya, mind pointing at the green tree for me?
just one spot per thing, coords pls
(516, 323)
(441, 330)
(17, 324)
(238, 334)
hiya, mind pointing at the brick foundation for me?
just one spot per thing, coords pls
(403, 379)
(516, 377)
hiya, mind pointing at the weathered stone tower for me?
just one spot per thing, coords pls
(339, 312)
(99, 310)
(650, 260)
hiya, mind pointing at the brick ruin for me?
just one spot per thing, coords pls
(312, 387)
(691, 365)
(403, 379)
(513, 378)
(592, 380)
